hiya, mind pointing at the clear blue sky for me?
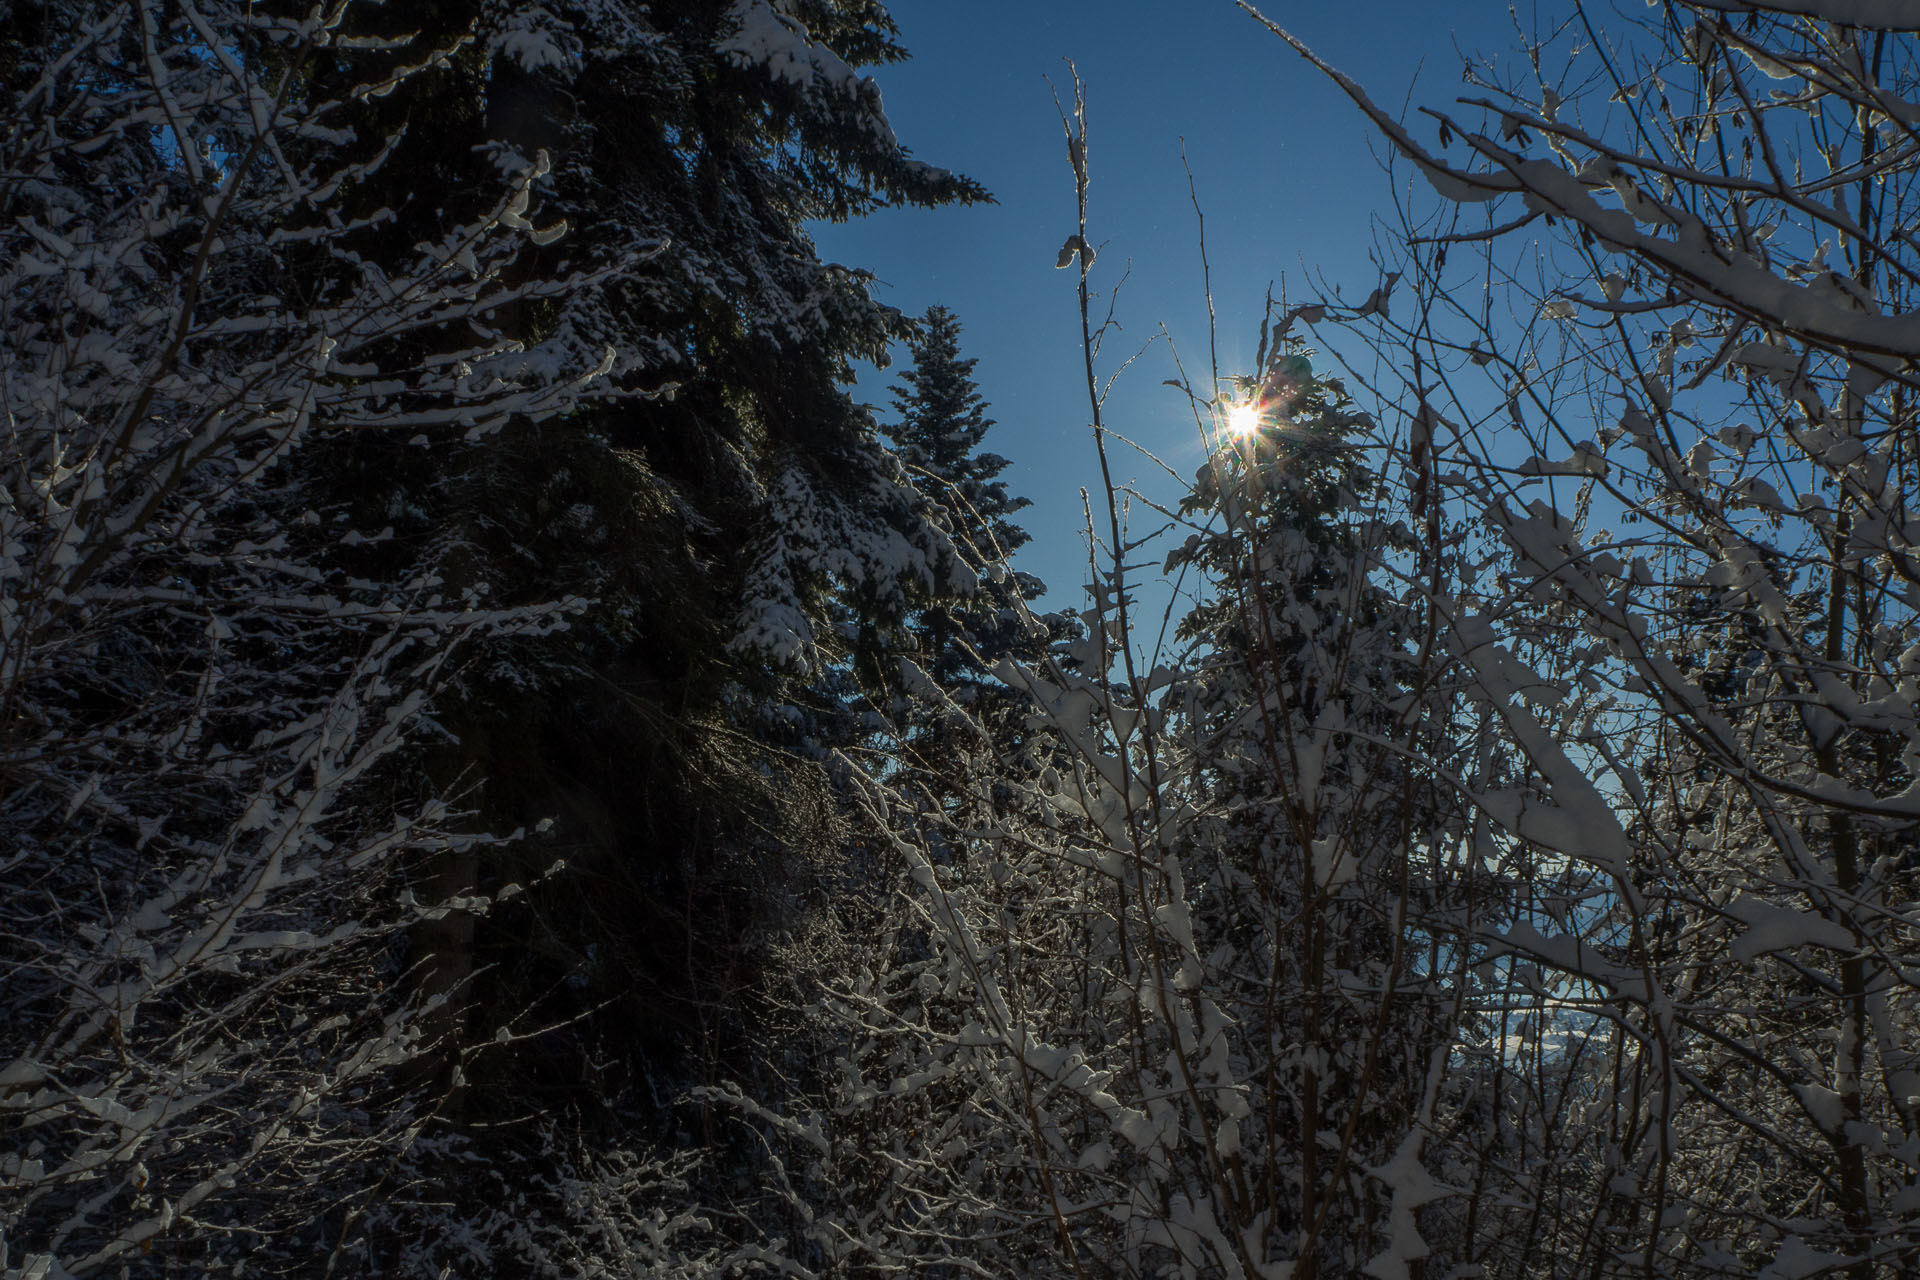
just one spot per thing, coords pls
(1285, 170)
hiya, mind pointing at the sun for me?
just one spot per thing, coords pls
(1243, 419)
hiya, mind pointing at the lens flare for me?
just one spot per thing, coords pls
(1243, 419)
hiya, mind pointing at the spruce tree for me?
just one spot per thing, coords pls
(942, 424)
(1325, 847)
(741, 534)
(718, 496)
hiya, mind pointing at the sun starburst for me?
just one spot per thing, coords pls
(1243, 419)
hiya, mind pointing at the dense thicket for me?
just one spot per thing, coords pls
(209, 867)
(504, 772)
(1690, 449)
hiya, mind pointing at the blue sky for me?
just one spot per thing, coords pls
(1286, 174)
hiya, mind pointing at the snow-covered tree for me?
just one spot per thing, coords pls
(211, 715)
(1320, 849)
(729, 512)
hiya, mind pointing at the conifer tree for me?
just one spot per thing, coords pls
(942, 424)
(745, 538)
(722, 501)
(1325, 850)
